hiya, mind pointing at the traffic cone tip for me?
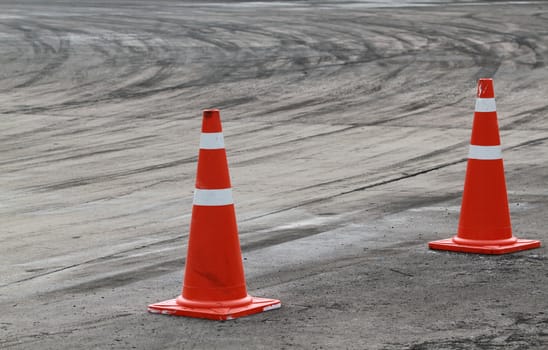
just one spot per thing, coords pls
(211, 121)
(485, 88)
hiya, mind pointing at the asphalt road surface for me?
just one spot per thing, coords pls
(347, 126)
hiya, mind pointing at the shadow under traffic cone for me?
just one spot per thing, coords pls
(484, 225)
(214, 283)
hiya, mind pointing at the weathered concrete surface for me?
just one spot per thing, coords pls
(346, 126)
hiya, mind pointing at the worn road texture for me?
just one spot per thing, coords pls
(347, 127)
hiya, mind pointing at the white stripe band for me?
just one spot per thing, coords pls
(212, 140)
(213, 197)
(486, 105)
(485, 152)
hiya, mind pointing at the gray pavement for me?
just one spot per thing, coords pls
(346, 125)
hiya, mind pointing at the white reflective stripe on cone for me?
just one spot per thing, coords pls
(485, 152)
(213, 197)
(212, 140)
(486, 105)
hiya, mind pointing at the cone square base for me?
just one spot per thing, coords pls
(257, 305)
(449, 244)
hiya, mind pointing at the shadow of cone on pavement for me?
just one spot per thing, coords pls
(214, 283)
(484, 225)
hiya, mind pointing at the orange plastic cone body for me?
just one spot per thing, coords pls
(214, 283)
(484, 225)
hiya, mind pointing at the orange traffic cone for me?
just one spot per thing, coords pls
(484, 225)
(214, 284)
